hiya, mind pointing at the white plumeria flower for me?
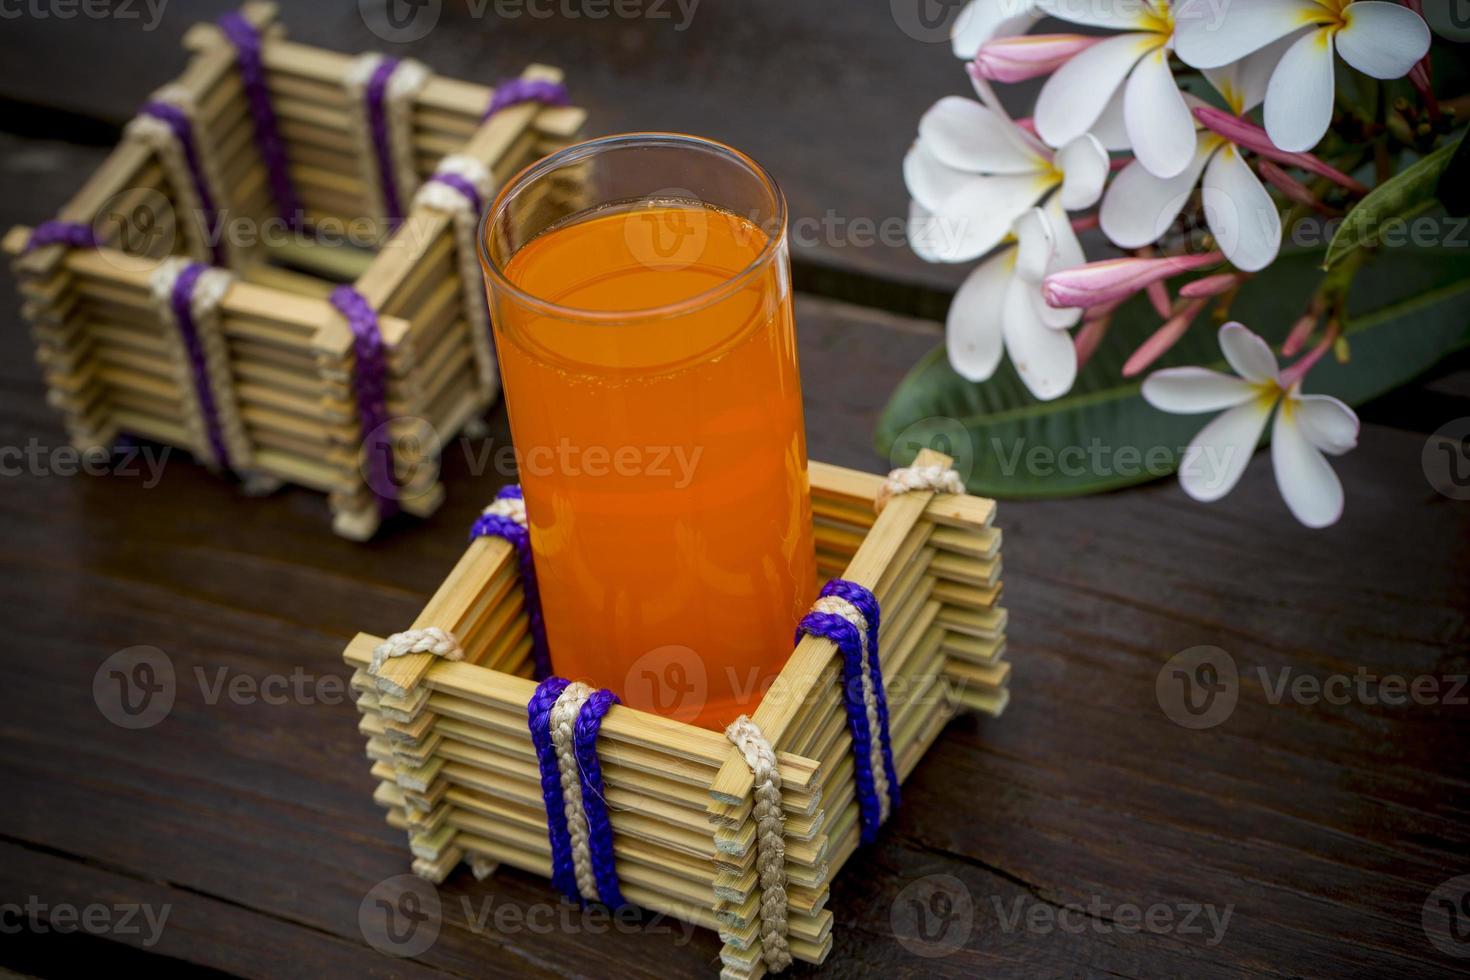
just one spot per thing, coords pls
(982, 20)
(1139, 207)
(973, 172)
(1306, 427)
(1128, 75)
(1000, 306)
(1380, 39)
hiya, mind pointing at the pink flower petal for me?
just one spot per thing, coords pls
(1015, 59)
(1102, 282)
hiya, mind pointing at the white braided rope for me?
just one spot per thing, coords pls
(445, 199)
(157, 136)
(432, 639)
(403, 89)
(838, 606)
(770, 840)
(354, 82)
(907, 479)
(398, 97)
(209, 290)
(563, 739)
(512, 507)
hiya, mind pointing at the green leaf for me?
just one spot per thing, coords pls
(1401, 198)
(1406, 309)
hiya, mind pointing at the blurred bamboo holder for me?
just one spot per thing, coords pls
(112, 368)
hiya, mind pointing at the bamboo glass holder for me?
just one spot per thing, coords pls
(111, 368)
(457, 770)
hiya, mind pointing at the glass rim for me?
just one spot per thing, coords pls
(593, 147)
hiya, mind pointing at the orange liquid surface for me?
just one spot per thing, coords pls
(663, 460)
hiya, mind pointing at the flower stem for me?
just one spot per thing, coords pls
(1294, 374)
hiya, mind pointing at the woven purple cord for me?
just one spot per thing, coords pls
(514, 91)
(538, 719)
(183, 129)
(849, 643)
(246, 39)
(73, 234)
(599, 827)
(181, 299)
(495, 525)
(370, 383)
(464, 187)
(377, 113)
(867, 604)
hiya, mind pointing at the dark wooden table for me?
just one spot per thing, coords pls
(1092, 835)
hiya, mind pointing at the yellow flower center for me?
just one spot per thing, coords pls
(1158, 17)
(1332, 14)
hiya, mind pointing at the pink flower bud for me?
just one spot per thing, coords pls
(1091, 335)
(1284, 182)
(1211, 285)
(1252, 137)
(1114, 279)
(1301, 332)
(1158, 295)
(1015, 59)
(1165, 337)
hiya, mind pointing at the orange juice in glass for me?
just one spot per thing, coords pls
(640, 292)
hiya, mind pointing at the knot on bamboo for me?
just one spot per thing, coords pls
(770, 842)
(906, 479)
(513, 508)
(439, 642)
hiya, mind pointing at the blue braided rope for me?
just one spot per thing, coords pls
(181, 301)
(538, 719)
(73, 234)
(867, 604)
(370, 385)
(494, 525)
(600, 839)
(182, 126)
(517, 91)
(246, 39)
(849, 644)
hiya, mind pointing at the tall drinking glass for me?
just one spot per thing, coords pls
(640, 290)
